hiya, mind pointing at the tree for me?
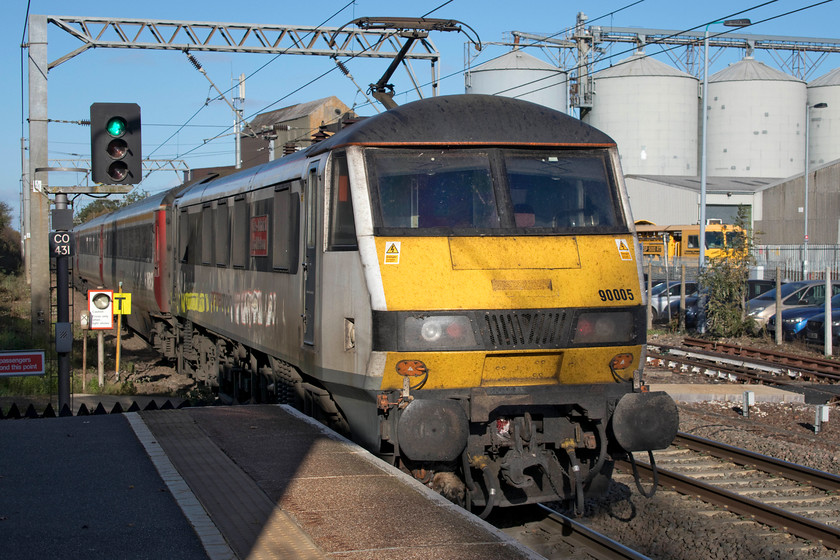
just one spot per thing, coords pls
(11, 257)
(725, 281)
(106, 205)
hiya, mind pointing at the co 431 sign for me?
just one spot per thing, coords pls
(62, 244)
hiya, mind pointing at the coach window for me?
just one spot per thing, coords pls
(342, 227)
(183, 235)
(222, 233)
(195, 242)
(241, 227)
(207, 235)
(284, 244)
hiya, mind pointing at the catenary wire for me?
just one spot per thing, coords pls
(228, 90)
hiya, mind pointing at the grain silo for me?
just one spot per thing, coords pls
(756, 122)
(520, 75)
(825, 122)
(650, 109)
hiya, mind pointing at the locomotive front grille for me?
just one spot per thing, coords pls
(528, 329)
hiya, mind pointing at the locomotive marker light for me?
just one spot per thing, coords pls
(101, 307)
(115, 143)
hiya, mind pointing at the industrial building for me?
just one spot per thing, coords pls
(270, 135)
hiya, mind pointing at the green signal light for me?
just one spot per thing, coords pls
(116, 126)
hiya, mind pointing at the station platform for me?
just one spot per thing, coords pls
(259, 481)
(726, 392)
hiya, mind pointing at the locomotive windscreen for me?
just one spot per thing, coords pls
(440, 189)
(493, 190)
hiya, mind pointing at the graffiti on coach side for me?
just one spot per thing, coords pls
(249, 308)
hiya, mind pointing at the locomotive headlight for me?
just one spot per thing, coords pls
(431, 331)
(600, 327)
(438, 332)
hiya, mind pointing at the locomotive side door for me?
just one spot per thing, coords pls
(310, 234)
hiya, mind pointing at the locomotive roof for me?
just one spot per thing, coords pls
(469, 120)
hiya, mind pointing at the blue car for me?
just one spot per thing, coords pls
(695, 311)
(815, 328)
(794, 319)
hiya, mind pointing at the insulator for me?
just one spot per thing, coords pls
(193, 61)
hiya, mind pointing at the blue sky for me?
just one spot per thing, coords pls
(170, 91)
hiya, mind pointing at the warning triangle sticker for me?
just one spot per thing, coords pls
(393, 249)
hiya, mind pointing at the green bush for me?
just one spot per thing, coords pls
(725, 281)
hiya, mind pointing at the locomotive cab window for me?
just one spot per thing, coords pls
(435, 189)
(342, 226)
(465, 192)
(560, 190)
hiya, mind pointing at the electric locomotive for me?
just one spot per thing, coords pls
(455, 283)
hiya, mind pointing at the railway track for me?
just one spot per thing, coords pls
(807, 366)
(795, 499)
(557, 536)
(745, 369)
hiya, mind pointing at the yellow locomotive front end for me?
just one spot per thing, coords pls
(508, 319)
(518, 310)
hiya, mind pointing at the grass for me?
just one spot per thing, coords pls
(16, 334)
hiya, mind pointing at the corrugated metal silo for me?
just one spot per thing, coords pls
(520, 75)
(650, 110)
(825, 123)
(756, 122)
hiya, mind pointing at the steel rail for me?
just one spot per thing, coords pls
(799, 473)
(596, 544)
(740, 370)
(763, 513)
(745, 363)
(703, 361)
(820, 365)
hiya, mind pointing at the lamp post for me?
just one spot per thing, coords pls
(807, 169)
(727, 23)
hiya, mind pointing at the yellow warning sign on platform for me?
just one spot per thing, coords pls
(392, 252)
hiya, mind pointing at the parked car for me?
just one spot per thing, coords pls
(795, 319)
(815, 328)
(757, 287)
(808, 293)
(692, 303)
(662, 295)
